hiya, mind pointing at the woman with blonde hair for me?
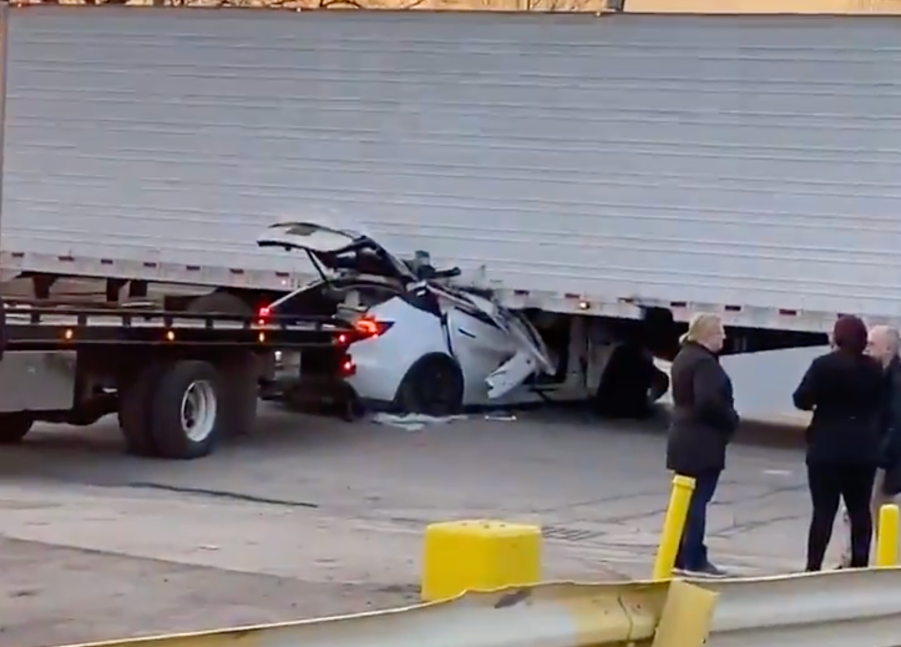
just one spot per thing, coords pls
(703, 423)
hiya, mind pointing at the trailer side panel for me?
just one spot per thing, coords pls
(731, 160)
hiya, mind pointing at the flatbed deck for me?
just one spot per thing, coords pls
(178, 381)
(28, 327)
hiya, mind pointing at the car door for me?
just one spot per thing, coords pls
(526, 352)
(478, 344)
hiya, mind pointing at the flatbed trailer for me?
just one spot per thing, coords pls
(178, 381)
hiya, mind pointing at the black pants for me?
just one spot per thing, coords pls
(693, 551)
(830, 483)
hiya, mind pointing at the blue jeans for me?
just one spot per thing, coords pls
(693, 551)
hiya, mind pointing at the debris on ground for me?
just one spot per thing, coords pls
(412, 421)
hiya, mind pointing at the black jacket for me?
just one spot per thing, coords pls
(2, 327)
(704, 419)
(891, 428)
(845, 392)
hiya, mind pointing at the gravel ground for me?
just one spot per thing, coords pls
(318, 517)
(54, 595)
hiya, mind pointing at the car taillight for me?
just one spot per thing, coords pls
(368, 327)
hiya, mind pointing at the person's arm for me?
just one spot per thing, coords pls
(805, 396)
(709, 397)
(892, 440)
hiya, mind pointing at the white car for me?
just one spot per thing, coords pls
(425, 346)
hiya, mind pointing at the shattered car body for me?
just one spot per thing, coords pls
(424, 346)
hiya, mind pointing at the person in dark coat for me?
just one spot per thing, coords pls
(883, 345)
(844, 390)
(2, 327)
(703, 423)
(889, 476)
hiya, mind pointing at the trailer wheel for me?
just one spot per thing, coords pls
(186, 413)
(135, 401)
(14, 427)
(626, 384)
(433, 386)
(659, 385)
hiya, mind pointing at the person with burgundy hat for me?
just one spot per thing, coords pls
(844, 390)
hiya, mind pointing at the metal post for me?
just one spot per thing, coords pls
(887, 536)
(673, 525)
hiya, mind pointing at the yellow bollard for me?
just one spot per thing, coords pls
(673, 525)
(478, 555)
(887, 536)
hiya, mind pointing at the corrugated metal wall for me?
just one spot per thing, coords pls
(754, 160)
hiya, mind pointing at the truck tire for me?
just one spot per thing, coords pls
(186, 410)
(433, 386)
(135, 401)
(14, 427)
(240, 373)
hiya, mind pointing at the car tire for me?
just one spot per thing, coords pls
(14, 427)
(186, 410)
(432, 386)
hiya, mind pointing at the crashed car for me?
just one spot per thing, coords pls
(423, 345)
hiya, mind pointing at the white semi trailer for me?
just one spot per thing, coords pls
(610, 174)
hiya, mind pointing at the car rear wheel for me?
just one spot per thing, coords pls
(433, 386)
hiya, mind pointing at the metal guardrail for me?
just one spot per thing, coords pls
(847, 608)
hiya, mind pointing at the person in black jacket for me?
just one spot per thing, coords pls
(844, 389)
(888, 479)
(883, 345)
(703, 423)
(2, 327)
